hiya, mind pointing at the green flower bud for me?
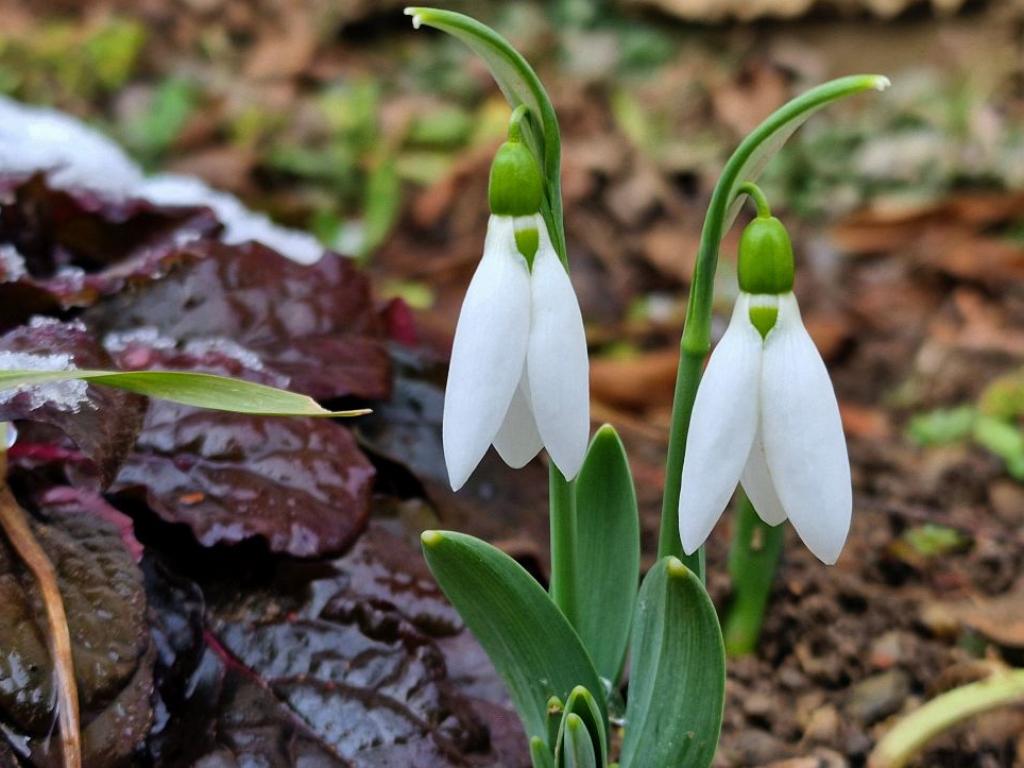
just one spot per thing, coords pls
(516, 187)
(766, 257)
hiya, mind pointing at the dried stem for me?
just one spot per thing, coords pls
(911, 734)
(15, 526)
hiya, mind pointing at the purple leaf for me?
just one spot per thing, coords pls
(102, 422)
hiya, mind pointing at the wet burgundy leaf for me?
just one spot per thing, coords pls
(211, 711)
(351, 650)
(70, 248)
(104, 423)
(315, 324)
(327, 663)
(407, 431)
(301, 484)
(106, 609)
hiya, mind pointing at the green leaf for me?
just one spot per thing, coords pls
(540, 754)
(942, 426)
(383, 196)
(608, 552)
(531, 644)
(577, 748)
(582, 706)
(202, 390)
(753, 559)
(1004, 440)
(520, 85)
(677, 683)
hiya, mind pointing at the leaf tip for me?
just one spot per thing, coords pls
(676, 568)
(881, 82)
(431, 539)
(417, 17)
(574, 722)
(351, 413)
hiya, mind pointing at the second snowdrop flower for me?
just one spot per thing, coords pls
(519, 372)
(766, 415)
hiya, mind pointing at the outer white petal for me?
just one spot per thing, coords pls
(803, 436)
(722, 428)
(488, 354)
(758, 485)
(557, 363)
(518, 440)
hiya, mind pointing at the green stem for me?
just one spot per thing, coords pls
(753, 559)
(563, 542)
(942, 713)
(687, 379)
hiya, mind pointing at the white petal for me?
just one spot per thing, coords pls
(803, 436)
(557, 363)
(757, 484)
(488, 354)
(722, 428)
(518, 440)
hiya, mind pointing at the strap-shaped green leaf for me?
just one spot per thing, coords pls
(531, 644)
(608, 552)
(577, 748)
(677, 683)
(540, 754)
(582, 706)
(202, 390)
(520, 85)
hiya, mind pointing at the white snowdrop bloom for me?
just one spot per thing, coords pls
(766, 417)
(519, 374)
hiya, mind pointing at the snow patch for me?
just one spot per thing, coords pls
(34, 139)
(74, 156)
(12, 263)
(147, 336)
(227, 348)
(240, 224)
(68, 395)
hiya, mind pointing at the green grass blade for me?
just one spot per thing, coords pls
(202, 390)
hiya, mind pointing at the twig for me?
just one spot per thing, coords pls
(15, 526)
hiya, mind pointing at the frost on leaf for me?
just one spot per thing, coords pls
(68, 396)
(100, 421)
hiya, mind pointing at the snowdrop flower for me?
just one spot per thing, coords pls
(766, 415)
(519, 374)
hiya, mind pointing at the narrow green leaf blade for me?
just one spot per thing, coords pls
(581, 705)
(540, 754)
(520, 85)
(608, 552)
(531, 644)
(677, 684)
(202, 390)
(577, 747)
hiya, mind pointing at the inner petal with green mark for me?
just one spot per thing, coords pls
(527, 238)
(763, 312)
